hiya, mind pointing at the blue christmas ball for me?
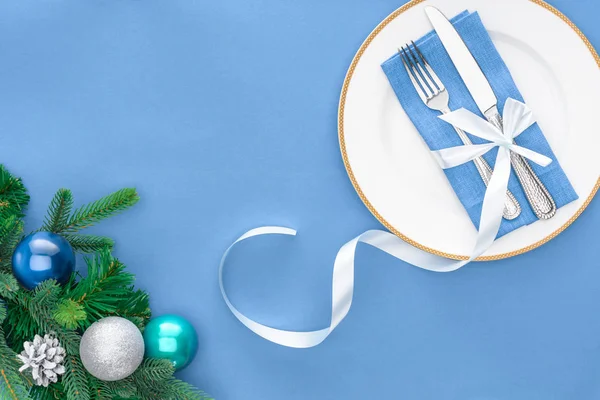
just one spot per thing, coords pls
(42, 256)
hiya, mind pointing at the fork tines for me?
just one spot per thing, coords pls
(420, 72)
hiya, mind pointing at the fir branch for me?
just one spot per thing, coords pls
(99, 390)
(107, 290)
(3, 311)
(45, 296)
(123, 388)
(94, 212)
(75, 380)
(13, 385)
(19, 324)
(135, 307)
(69, 314)
(13, 195)
(52, 392)
(151, 378)
(30, 312)
(154, 370)
(89, 243)
(59, 211)
(68, 338)
(7, 229)
(8, 285)
(11, 230)
(154, 380)
(180, 390)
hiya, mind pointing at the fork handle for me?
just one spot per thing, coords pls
(512, 208)
(537, 194)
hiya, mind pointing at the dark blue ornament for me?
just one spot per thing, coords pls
(42, 256)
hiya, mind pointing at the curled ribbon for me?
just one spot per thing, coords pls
(517, 118)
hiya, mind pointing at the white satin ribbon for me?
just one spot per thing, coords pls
(517, 118)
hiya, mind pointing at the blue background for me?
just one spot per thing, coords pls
(223, 115)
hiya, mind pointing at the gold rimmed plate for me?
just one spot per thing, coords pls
(390, 166)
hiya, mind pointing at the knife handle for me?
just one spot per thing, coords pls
(538, 196)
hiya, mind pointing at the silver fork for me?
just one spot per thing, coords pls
(434, 94)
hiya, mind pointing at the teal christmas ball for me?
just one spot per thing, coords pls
(173, 338)
(42, 256)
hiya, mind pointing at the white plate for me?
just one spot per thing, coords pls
(557, 71)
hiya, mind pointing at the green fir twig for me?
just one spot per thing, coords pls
(13, 195)
(88, 244)
(59, 211)
(13, 385)
(96, 211)
(11, 230)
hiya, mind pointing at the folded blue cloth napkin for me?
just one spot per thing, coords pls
(438, 134)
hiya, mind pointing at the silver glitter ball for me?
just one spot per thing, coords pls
(112, 348)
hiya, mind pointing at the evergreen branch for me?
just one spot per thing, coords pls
(94, 212)
(69, 314)
(106, 291)
(123, 388)
(154, 379)
(99, 389)
(55, 391)
(89, 243)
(19, 324)
(75, 380)
(45, 295)
(8, 285)
(11, 230)
(135, 306)
(7, 229)
(154, 370)
(3, 311)
(151, 378)
(69, 339)
(13, 195)
(31, 313)
(13, 385)
(180, 390)
(59, 211)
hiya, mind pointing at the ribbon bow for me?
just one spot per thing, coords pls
(517, 118)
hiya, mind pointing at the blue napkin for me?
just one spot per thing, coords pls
(438, 134)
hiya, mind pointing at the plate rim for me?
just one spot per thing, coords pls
(357, 188)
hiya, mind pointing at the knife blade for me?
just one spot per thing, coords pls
(465, 63)
(539, 198)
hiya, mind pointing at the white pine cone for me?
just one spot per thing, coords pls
(45, 357)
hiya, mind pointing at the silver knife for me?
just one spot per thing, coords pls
(538, 196)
